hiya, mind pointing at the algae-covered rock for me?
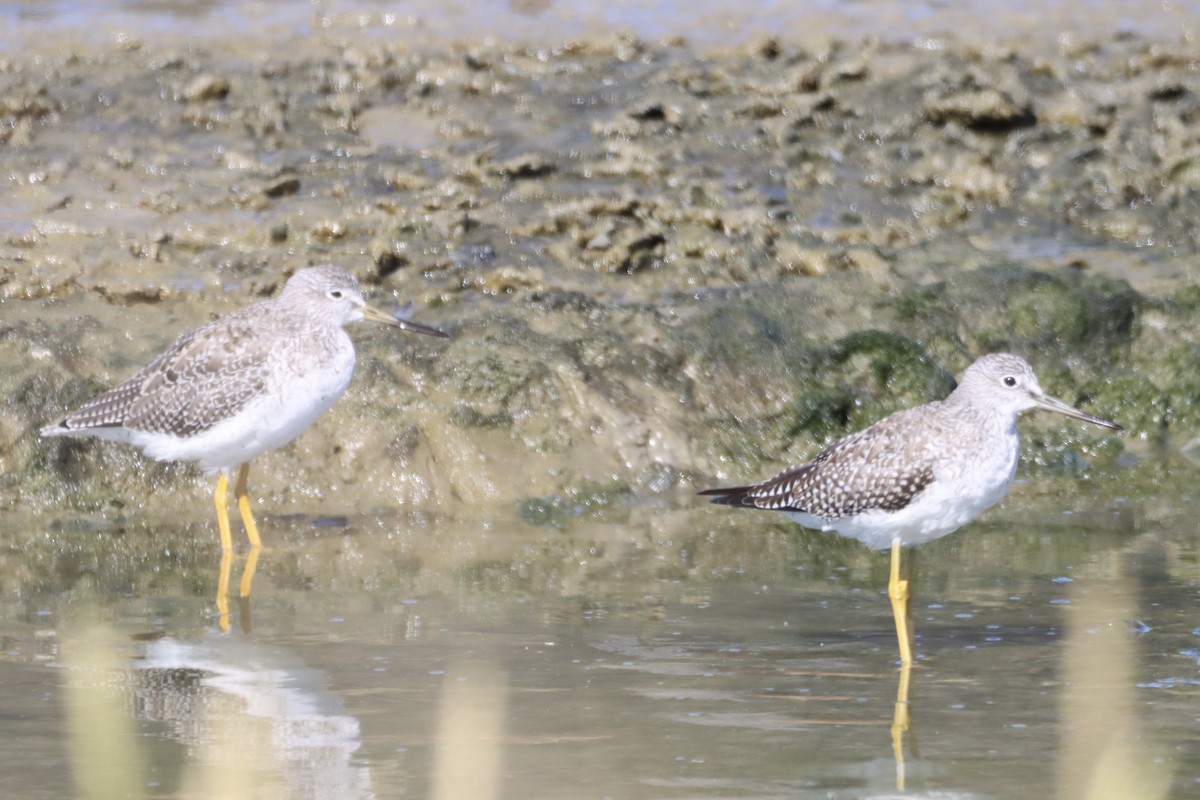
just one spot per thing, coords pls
(1008, 308)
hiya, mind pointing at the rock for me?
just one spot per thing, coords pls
(978, 106)
(205, 87)
(282, 186)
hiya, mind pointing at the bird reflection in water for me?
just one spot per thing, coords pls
(244, 588)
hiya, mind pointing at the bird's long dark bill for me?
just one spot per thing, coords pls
(1050, 404)
(375, 315)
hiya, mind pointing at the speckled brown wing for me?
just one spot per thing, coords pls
(876, 468)
(204, 377)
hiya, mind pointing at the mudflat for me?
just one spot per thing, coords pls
(662, 264)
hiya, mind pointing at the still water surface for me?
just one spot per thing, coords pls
(650, 652)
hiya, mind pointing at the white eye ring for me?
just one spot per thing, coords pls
(1010, 381)
(336, 294)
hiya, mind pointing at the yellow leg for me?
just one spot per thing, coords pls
(223, 591)
(898, 594)
(220, 498)
(900, 723)
(243, 501)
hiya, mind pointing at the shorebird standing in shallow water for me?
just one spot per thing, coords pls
(245, 383)
(916, 475)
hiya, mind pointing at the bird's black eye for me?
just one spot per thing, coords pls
(1010, 381)
(336, 294)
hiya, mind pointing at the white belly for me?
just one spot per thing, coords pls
(271, 421)
(959, 492)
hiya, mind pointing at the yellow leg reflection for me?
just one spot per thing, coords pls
(898, 593)
(248, 572)
(223, 591)
(243, 501)
(243, 589)
(900, 723)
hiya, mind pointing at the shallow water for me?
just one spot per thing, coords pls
(651, 652)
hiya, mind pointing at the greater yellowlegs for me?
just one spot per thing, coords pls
(245, 383)
(916, 475)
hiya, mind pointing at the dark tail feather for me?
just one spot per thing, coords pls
(728, 496)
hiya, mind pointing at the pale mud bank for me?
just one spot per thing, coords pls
(660, 268)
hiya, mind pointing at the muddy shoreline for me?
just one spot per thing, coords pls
(661, 268)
